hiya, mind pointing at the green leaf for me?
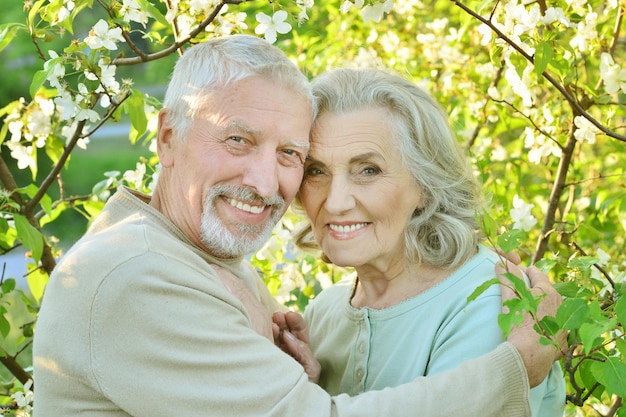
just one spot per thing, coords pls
(55, 148)
(154, 12)
(8, 285)
(546, 264)
(487, 223)
(513, 318)
(549, 325)
(543, 56)
(482, 288)
(38, 79)
(588, 379)
(5, 326)
(33, 11)
(582, 262)
(511, 240)
(611, 374)
(572, 313)
(8, 31)
(37, 280)
(29, 235)
(567, 289)
(591, 335)
(136, 110)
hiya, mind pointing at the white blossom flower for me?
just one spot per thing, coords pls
(135, 178)
(519, 84)
(586, 131)
(521, 215)
(15, 127)
(612, 74)
(485, 34)
(227, 22)
(376, 11)
(107, 76)
(202, 6)
(22, 154)
(68, 131)
(24, 399)
(38, 121)
(100, 36)
(131, 12)
(64, 12)
(70, 107)
(58, 71)
(346, 6)
(555, 14)
(304, 5)
(586, 32)
(269, 26)
(577, 4)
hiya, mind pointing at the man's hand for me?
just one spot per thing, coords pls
(291, 334)
(537, 358)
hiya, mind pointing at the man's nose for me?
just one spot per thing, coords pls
(262, 172)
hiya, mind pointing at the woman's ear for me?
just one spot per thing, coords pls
(165, 140)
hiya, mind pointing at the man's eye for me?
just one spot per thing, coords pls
(292, 157)
(237, 145)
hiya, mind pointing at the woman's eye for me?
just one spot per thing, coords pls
(312, 171)
(371, 171)
(237, 139)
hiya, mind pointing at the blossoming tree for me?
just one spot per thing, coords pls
(536, 92)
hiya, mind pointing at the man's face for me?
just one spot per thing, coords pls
(240, 166)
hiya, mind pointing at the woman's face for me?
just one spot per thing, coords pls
(356, 191)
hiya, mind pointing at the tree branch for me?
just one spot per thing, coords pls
(557, 189)
(143, 57)
(571, 99)
(15, 368)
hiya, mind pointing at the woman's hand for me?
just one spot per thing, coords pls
(537, 357)
(291, 334)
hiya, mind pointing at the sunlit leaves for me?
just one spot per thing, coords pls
(29, 236)
(611, 374)
(543, 56)
(7, 32)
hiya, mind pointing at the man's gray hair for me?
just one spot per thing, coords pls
(219, 62)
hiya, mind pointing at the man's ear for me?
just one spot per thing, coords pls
(165, 141)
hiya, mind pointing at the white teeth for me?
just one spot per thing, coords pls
(346, 229)
(245, 206)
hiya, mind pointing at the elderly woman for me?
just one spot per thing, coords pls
(388, 191)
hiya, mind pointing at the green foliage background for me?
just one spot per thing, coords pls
(578, 195)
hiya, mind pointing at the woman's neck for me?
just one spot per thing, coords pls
(378, 290)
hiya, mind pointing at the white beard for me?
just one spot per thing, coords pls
(247, 238)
